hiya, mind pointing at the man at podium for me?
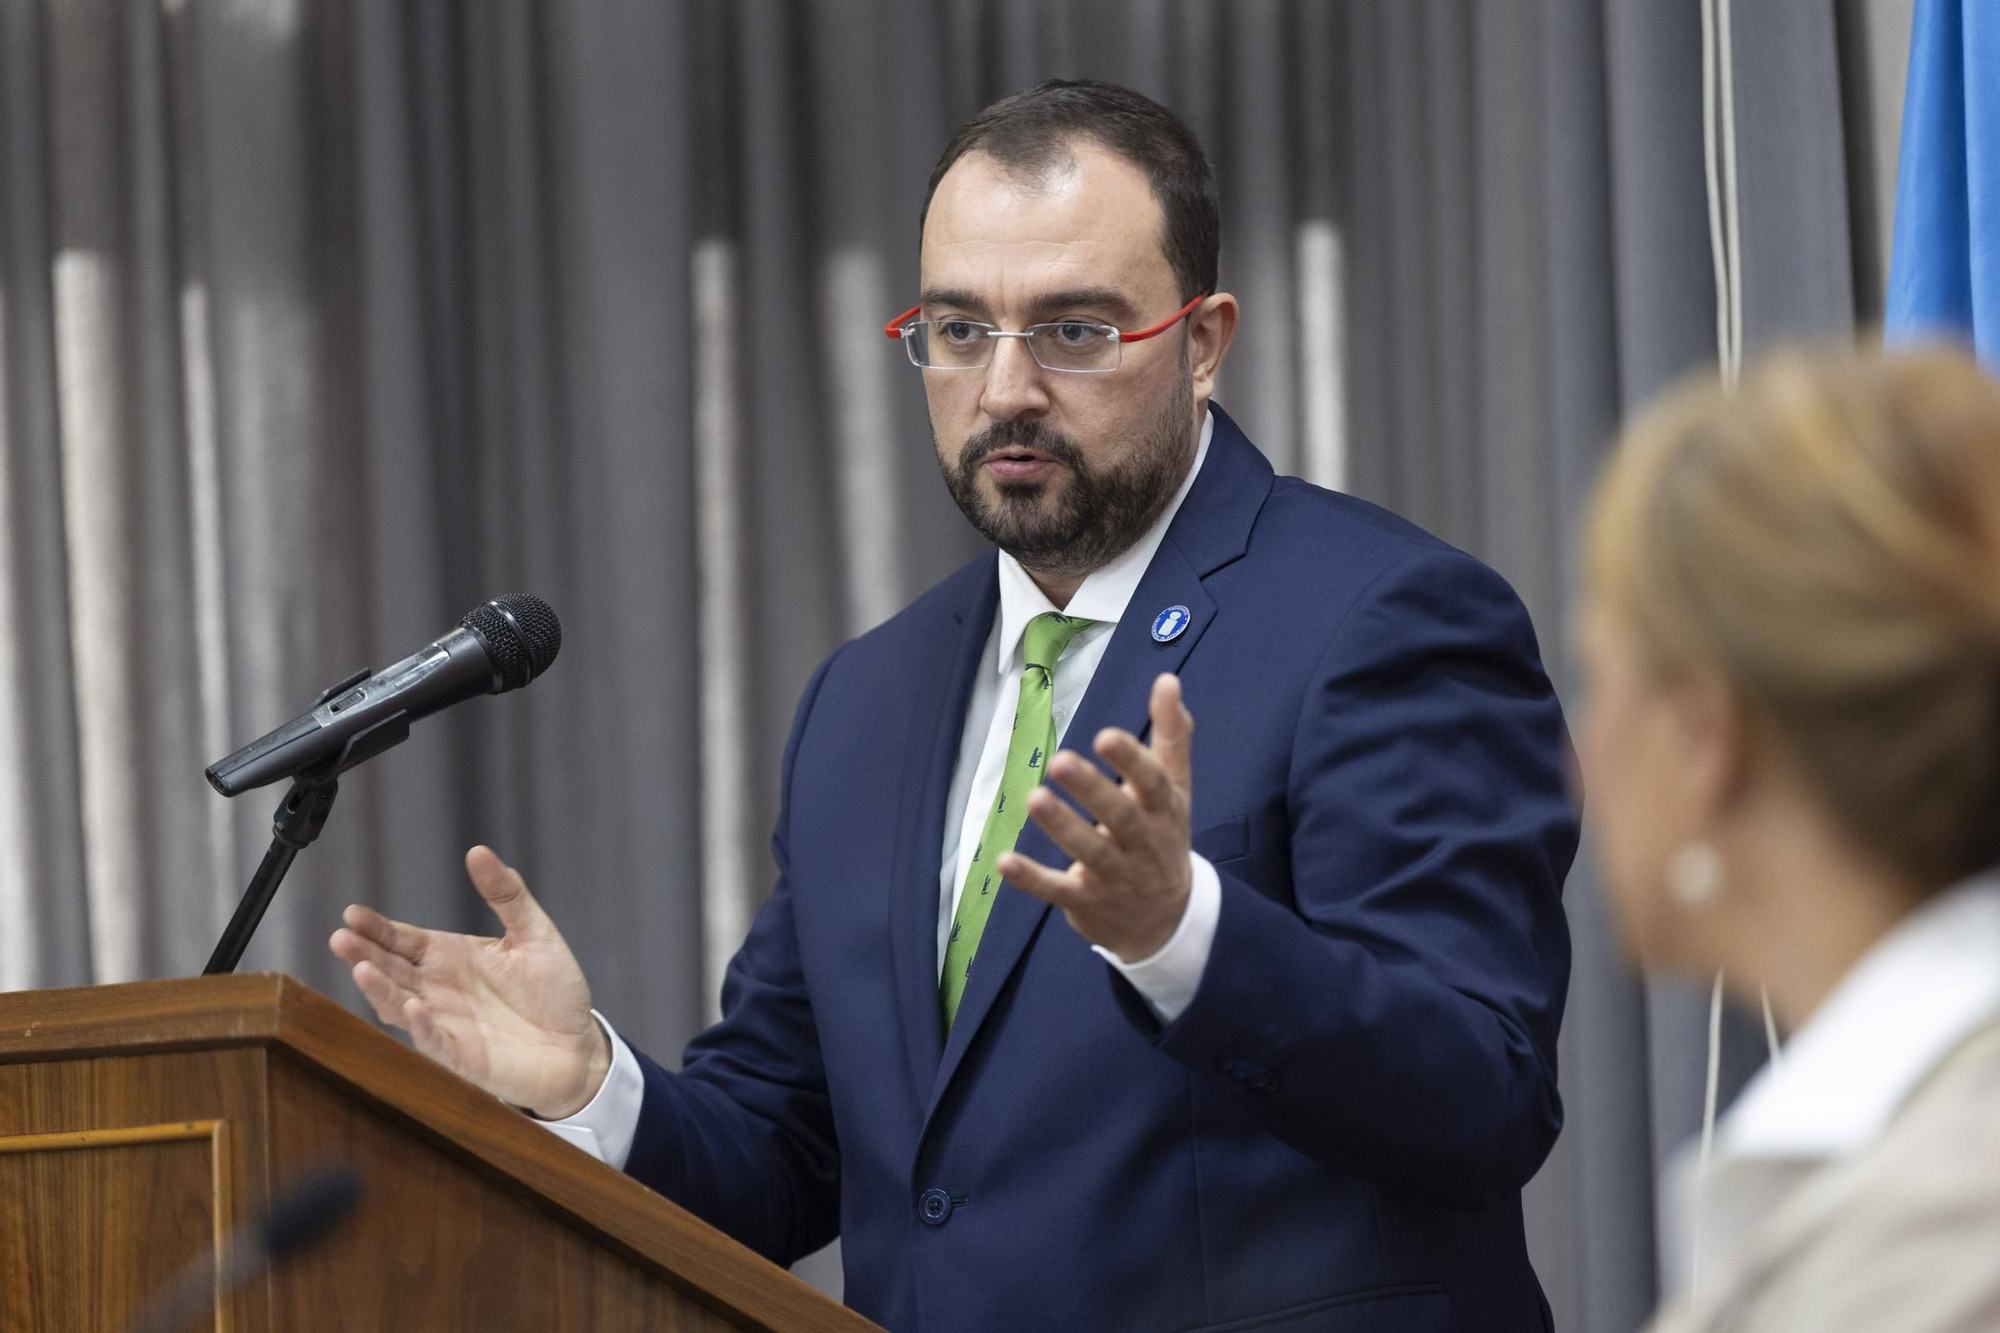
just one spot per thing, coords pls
(1283, 1055)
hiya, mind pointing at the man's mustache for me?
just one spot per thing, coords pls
(1013, 435)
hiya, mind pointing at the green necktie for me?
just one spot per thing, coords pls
(1027, 755)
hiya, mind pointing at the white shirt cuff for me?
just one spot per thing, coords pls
(607, 1124)
(1169, 978)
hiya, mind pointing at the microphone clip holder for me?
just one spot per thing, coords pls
(299, 820)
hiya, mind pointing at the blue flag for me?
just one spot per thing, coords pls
(1944, 270)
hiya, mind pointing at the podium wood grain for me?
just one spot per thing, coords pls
(79, 1267)
(139, 1122)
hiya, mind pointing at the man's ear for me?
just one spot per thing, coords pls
(1211, 328)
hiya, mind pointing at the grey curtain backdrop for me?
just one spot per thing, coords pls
(323, 320)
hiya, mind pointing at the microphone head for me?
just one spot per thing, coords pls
(312, 1202)
(521, 634)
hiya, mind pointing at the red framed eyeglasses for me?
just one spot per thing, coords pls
(1075, 346)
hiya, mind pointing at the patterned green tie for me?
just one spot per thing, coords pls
(1027, 755)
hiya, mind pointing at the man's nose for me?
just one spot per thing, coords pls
(1016, 385)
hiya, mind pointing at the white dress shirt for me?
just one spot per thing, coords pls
(1842, 1076)
(1167, 979)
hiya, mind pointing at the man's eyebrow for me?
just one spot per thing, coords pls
(1106, 299)
(956, 297)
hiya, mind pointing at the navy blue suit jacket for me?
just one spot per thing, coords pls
(1334, 1134)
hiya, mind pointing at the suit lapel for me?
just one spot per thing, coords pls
(1118, 696)
(937, 719)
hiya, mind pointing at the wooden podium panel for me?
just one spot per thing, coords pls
(125, 1209)
(139, 1123)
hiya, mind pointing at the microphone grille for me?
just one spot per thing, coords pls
(522, 634)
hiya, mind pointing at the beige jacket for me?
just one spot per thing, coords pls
(1900, 1237)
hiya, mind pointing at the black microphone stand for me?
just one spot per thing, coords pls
(300, 818)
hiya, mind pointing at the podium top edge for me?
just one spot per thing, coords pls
(140, 1016)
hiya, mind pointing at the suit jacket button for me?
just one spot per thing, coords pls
(1263, 1081)
(934, 1206)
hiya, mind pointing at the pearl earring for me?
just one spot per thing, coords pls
(1694, 874)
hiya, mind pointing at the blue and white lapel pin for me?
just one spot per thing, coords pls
(1169, 623)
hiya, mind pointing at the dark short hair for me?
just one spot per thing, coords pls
(1030, 133)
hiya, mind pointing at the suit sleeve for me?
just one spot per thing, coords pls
(743, 1136)
(1396, 1015)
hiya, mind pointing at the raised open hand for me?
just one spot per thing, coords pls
(510, 1015)
(1127, 887)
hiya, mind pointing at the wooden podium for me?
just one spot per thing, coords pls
(140, 1123)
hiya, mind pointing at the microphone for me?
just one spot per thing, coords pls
(309, 1208)
(315, 1201)
(500, 645)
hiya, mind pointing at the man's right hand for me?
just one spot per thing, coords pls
(510, 1015)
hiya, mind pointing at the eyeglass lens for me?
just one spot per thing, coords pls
(964, 344)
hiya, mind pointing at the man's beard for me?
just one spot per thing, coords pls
(1099, 514)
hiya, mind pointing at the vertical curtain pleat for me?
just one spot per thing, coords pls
(44, 900)
(629, 862)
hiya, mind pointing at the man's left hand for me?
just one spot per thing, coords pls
(1127, 888)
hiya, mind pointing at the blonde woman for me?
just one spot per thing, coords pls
(1791, 635)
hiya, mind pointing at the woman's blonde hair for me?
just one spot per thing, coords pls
(1826, 538)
